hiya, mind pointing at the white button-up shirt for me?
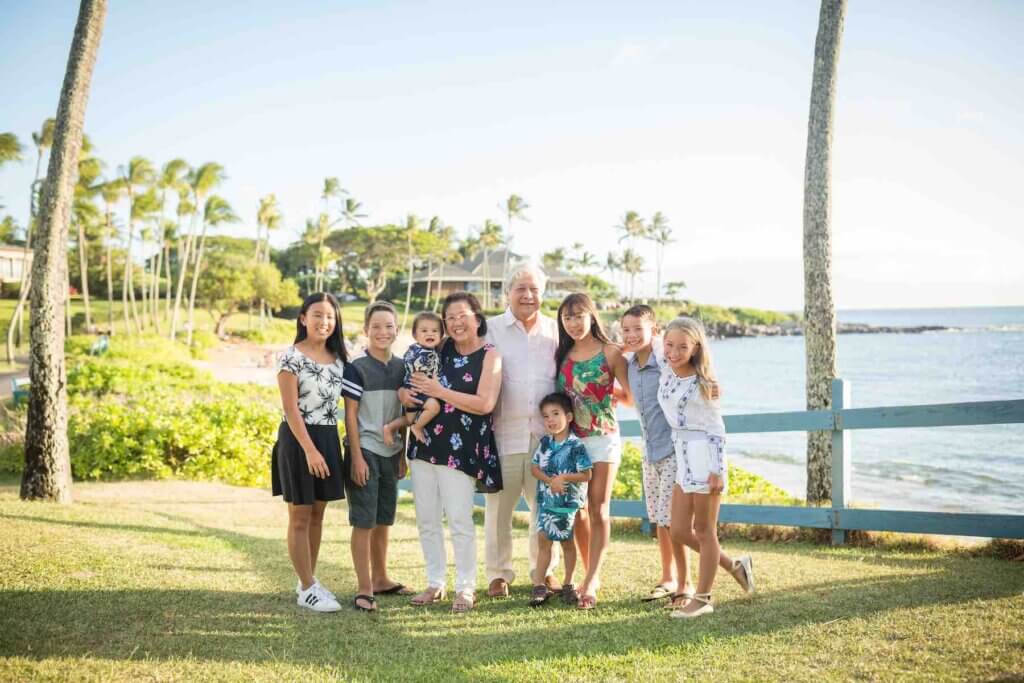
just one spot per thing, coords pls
(527, 376)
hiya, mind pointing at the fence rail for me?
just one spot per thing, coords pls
(841, 420)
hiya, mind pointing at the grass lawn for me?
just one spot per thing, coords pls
(190, 581)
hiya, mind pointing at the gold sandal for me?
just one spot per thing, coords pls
(462, 603)
(428, 597)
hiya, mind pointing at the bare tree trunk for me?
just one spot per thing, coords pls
(83, 266)
(819, 307)
(126, 280)
(110, 288)
(154, 288)
(182, 270)
(167, 274)
(408, 285)
(195, 281)
(47, 473)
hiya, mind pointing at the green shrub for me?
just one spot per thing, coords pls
(202, 341)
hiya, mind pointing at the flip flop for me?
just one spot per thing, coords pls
(365, 598)
(397, 589)
(659, 592)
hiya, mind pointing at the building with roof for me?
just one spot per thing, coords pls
(13, 261)
(474, 275)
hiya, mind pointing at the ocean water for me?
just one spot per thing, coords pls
(978, 469)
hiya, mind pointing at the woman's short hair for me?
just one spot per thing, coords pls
(474, 305)
(518, 270)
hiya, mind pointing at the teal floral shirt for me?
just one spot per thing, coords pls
(568, 457)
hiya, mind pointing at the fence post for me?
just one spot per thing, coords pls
(842, 466)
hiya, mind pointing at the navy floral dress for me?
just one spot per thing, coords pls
(456, 439)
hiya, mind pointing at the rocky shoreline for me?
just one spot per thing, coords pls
(795, 329)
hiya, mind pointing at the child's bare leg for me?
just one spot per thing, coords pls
(396, 425)
(705, 528)
(581, 533)
(667, 551)
(543, 552)
(431, 407)
(568, 561)
(298, 542)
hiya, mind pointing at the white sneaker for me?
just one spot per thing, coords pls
(298, 588)
(317, 599)
(746, 563)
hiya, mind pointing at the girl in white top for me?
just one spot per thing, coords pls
(698, 435)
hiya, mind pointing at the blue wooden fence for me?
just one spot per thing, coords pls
(840, 420)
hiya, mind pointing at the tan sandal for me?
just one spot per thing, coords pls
(679, 600)
(705, 607)
(428, 597)
(462, 603)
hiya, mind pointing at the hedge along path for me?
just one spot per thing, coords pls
(190, 581)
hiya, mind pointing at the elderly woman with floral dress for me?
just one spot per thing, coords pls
(458, 456)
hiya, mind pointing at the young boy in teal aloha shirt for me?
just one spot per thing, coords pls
(562, 469)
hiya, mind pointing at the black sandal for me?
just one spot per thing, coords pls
(539, 595)
(569, 594)
(365, 598)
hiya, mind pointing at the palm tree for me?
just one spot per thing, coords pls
(661, 234)
(43, 140)
(350, 212)
(216, 211)
(632, 227)
(268, 217)
(111, 192)
(184, 208)
(613, 264)
(47, 473)
(489, 237)
(413, 225)
(316, 233)
(581, 259)
(633, 265)
(515, 208)
(201, 181)
(10, 148)
(83, 213)
(137, 173)
(170, 179)
(819, 307)
(554, 259)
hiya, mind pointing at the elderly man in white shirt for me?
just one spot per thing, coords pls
(527, 341)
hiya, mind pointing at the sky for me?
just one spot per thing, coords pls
(587, 110)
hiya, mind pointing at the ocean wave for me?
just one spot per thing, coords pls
(780, 458)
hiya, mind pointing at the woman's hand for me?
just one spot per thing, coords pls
(426, 385)
(715, 484)
(317, 465)
(408, 399)
(403, 466)
(360, 470)
(715, 391)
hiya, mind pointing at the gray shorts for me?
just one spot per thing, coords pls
(373, 504)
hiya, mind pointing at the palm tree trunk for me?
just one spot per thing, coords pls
(170, 282)
(126, 283)
(83, 266)
(408, 284)
(182, 270)
(47, 473)
(819, 308)
(154, 290)
(110, 286)
(195, 281)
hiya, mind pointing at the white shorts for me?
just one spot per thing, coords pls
(604, 448)
(693, 464)
(659, 480)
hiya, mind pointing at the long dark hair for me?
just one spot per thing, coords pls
(578, 302)
(335, 343)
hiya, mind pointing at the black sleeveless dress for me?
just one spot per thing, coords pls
(456, 439)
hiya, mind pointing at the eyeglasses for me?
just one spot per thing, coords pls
(456, 319)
